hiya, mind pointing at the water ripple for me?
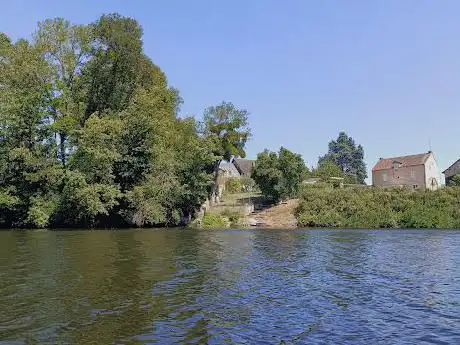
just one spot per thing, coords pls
(230, 287)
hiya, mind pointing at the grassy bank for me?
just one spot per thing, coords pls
(378, 208)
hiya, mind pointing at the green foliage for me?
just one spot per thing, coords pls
(379, 208)
(97, 149)
(226, 130)
(213, 221)
(327, 169)
(234, 185)
(349, 157)
(278, 175)
(454, 181)
(111, 75)
(40, 211)
(84, 204)
(89, 132)
(267, 175)
(65, 48)
(227, 127)
(233, 216)
(247, 184)
(7, 199)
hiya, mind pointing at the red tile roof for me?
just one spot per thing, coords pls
(406, 161)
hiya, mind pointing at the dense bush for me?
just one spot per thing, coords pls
(234, 185)
(378, 208)
(279, 175)
(213, 221)
(233, 216)
(239, 185)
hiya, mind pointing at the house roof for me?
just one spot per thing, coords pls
(229, 168)
(244, 166)
(405, 161)
(454, 163)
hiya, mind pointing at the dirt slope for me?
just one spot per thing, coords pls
(276, 217)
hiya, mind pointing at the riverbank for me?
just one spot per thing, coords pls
(379, 208)
(280, 216)
(250, 210)
(353, 208)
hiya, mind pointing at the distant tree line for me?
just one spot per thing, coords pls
(90, 133)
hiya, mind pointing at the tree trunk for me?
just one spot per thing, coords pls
(62, 153)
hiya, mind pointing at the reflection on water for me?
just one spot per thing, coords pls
(217, 287)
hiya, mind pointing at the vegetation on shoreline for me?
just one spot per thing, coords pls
(90, 137)
(348, 156)
(90, 134)
(324, 206)
(279, 175)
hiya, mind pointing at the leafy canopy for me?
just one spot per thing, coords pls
(228, 129)
(89, 132)
(348, 156)
(279, 175)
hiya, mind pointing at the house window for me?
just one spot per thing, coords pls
(412, 173)
(415, 186)
(385, 177)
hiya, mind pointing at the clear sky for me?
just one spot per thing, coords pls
(386, 71)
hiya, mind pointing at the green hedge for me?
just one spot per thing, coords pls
(378, 208)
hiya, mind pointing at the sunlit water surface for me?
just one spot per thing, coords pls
(230, 287)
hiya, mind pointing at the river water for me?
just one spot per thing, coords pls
(230, 287)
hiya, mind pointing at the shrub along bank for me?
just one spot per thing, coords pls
(378, 208)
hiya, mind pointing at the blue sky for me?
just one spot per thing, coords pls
(386, 71)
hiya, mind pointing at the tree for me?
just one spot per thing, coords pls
(267, 175)
(293, 171)
(112, 74)
(28, 171)
(279, 175)
(90, 134)
(227, 129)
(348, 156)
(66, 48)
(327, 169)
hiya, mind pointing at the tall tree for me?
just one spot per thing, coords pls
(279, 175)
(293, 170)
(27, 169)
(227, 128)
(267, 175)
(112, 75)
(66, 48)
(350, 157)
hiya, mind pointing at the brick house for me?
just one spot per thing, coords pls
(418, 171)
(451, 171)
